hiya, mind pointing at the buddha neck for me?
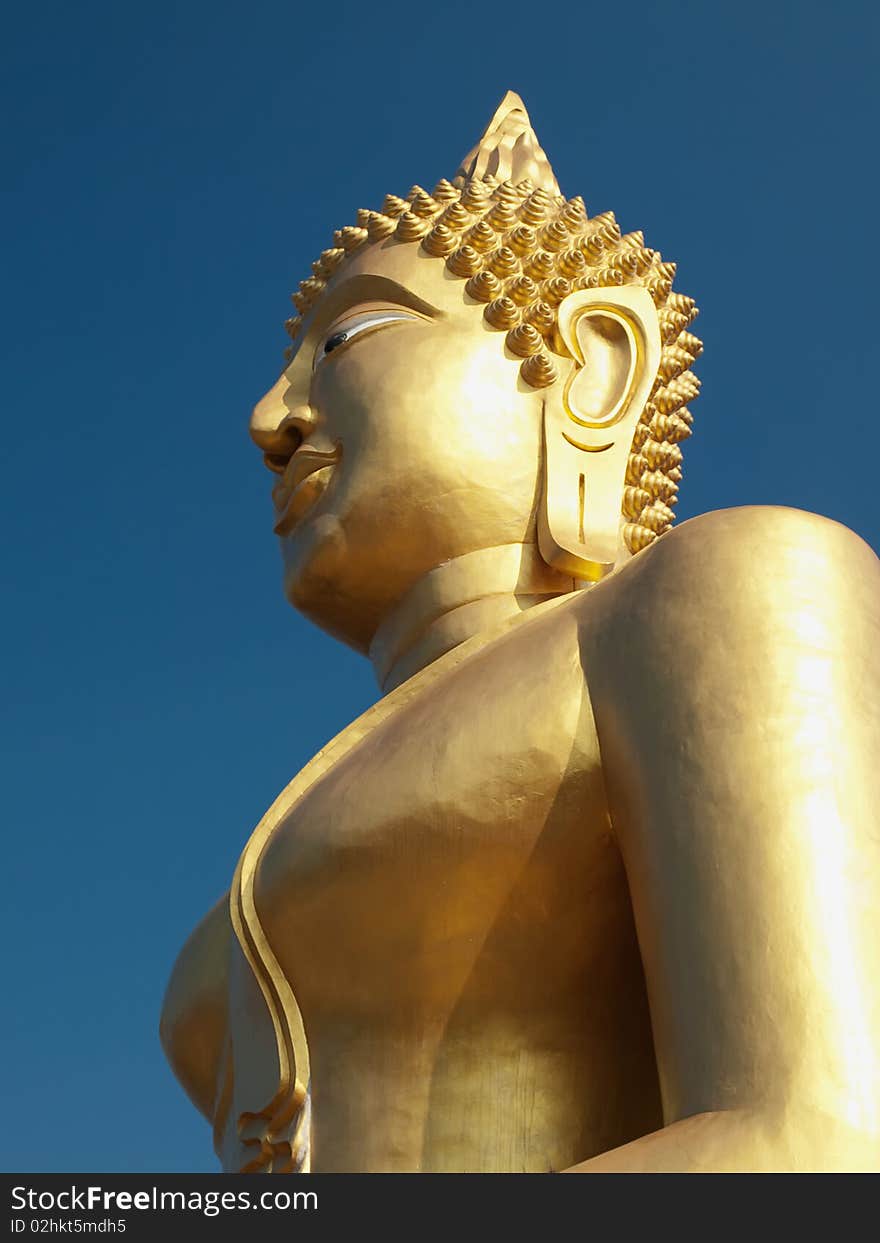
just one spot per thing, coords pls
(458, 600)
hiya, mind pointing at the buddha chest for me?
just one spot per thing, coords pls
(449, 907)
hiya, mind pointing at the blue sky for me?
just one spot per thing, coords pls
(169, 172)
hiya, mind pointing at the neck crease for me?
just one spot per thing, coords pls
(457, 600)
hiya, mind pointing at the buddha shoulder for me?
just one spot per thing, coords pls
(734, 625)
(729, 574)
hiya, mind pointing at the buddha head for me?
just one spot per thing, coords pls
(478, 366)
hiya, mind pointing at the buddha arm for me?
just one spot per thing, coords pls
(735, 676)
(193, 1026)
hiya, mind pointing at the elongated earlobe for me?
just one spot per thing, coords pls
(613, 338)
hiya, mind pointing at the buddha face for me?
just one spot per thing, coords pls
(400, 435)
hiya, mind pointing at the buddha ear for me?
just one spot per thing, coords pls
(590, 416)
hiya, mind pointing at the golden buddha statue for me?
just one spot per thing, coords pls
(595, 885)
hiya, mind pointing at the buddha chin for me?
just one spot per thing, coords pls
(313, 578)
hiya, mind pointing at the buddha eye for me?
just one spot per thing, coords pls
(331, 343)
(341, 333)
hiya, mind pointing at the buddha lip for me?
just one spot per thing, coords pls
(291, 498)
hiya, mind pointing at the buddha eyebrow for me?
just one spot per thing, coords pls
(362, 287)
(366, 288)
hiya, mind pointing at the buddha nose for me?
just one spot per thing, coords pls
(278, 425)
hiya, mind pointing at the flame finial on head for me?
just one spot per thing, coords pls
(509, 150)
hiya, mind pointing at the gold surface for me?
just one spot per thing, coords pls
(525, 250)
(596, 884)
